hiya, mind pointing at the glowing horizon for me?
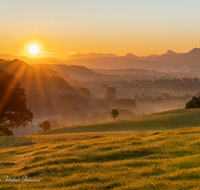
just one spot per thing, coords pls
(62, 28)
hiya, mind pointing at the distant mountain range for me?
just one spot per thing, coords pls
(168, 61)
(91, 55)
(49, 60)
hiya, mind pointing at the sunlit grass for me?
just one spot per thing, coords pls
(158, 121)
(134, 160)
(162, 159)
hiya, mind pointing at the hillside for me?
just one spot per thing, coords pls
(30, 77)
(71, 70)
(168, 120)
(118, 160)
(43, 90)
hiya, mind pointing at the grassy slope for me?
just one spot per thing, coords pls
(106, 160)
(158, 121)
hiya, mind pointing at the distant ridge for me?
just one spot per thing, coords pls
(194, 51)
(169, 52)
(168, 61)
(91, 55)
(130, 55)
(47, 60)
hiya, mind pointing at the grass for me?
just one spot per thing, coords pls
(168, 120)
(148, 107)
(135, 160)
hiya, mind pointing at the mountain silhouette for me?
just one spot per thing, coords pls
(46, 60)
(130, 55)
(169, 52)
(91, 55)
(194, 51)
(168, 61)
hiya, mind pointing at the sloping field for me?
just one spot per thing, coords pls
(158, 121)
(104, 160)
(134, 160)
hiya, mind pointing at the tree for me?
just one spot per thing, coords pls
(45, 125)
(110, 93)
(193, 103)
(114, 113)
(13, 110)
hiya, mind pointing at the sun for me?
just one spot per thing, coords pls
(33, 49)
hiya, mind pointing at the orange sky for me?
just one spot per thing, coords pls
(61, 28)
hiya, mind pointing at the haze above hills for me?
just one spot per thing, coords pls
(168, 61)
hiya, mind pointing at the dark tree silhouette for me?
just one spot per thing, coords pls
(45, 125)
(13, 110)
(114, 113)
(110, 93)
(193, 103)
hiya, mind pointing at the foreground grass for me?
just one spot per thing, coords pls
(102, 156)
(168, 120)
(117, 160)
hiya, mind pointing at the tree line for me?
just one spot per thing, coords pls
(173, 83)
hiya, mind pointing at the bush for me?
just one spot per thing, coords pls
(45, 125)
(193, 103)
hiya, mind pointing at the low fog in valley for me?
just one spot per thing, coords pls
(68, 95)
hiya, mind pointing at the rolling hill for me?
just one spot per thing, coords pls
(167, 120)
(71, 70)
(31, 78)
(162, 159)
(44, 92)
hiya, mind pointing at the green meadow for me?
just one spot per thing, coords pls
(168, 120)
(156, 151)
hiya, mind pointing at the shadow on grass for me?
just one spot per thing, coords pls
(119, 155)
(12, 141)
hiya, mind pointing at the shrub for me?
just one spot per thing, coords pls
(45, 125)
(193, 103)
